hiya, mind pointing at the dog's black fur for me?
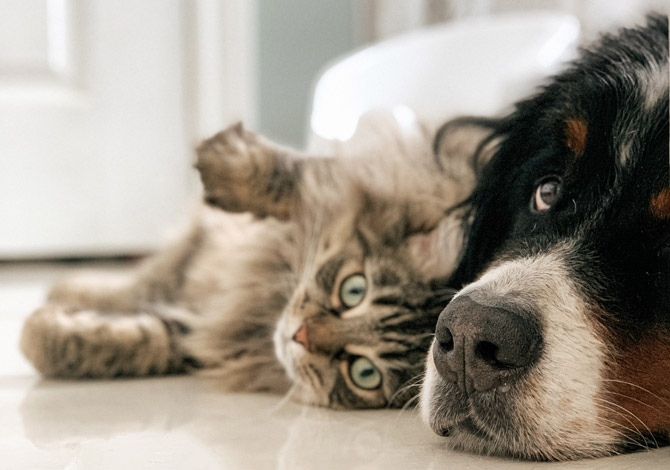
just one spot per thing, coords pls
(582, 281)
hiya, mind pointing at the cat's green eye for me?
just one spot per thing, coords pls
(364, 374)
(352, 290)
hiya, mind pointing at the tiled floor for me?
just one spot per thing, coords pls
(185, 423)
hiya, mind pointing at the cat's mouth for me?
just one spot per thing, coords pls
(291, 355)
(282, 343)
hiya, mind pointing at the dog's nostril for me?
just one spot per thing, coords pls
(487, 352)
(444, 358)
(445, 340)
(443, 431)
(447, 346)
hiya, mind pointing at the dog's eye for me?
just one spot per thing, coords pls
(546, 194)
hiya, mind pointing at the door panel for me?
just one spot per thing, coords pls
(23, 35)
(95, 140)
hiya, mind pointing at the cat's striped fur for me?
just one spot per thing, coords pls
(250, 293)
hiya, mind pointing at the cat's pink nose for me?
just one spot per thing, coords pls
(300, 336)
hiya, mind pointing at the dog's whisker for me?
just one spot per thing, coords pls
(626, 433)
(636, 400)
(624, 411)
(639, 387)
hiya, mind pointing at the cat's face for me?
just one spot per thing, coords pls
(370, 251)
(356, 330)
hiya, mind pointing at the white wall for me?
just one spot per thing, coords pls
(296, 39)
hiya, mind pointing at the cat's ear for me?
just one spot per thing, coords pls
(435, 254)
(463, 146)
(394, 221)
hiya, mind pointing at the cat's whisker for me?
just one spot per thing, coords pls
(284, 399)
(411, 402)
(414, 383)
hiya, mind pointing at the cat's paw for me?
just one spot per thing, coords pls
(241, 171)
(64, 342)
(228, 163)
(52, 342)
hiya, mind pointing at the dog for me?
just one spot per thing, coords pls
(557, 345)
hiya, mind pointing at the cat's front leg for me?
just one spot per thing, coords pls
(241, 171)
(63, 341)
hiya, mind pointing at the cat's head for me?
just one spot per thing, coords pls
(373, 253)
(370, 285)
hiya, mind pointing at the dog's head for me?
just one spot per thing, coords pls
(558, 346)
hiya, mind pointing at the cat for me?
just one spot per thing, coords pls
(318, 276)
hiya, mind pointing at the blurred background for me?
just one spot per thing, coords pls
(102, 102)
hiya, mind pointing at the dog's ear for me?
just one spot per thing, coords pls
(463, 146)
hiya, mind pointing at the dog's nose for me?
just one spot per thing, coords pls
(481, 347)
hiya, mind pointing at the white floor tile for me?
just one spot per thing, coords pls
(185, 423)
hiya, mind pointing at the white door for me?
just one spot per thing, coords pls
(101, 103)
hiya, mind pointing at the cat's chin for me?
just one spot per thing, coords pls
(293, 357)
(282, 343)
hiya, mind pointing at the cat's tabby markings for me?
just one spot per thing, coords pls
(323, 276)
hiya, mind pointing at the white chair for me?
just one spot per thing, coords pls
(477, 66)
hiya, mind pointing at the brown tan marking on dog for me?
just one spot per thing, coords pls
(660, 204)
(576, 132)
